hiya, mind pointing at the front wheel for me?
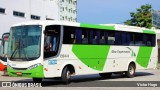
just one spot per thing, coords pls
(37, 80)
(131, 71)
(66, 75)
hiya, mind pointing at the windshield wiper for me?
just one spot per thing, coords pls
(18, 46)
(24, 50)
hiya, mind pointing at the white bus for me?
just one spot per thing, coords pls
(3, 53)
(49, 49)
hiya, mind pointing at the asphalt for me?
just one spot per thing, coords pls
(93, 82)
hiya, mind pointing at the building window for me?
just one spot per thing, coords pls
(49, 19)
(63, 18)
(20, 14)
(66, 18)
(2, 10)
(70, 1)
(62, 8)
(35, 17)
(75, 2)
(66, 8)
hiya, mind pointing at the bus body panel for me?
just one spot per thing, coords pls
(123, 56)
(89, 59)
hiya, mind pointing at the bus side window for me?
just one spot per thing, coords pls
(132, 39)
(118, 38)
(111, 38)
(102, 39)
(92, 37)
(78, 36)
(51, 41)
(84, 37)
(69, 35)
(139, 39)
(150, 40)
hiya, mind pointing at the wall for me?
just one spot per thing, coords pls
(43, 8)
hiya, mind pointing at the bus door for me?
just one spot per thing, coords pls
(51, 41)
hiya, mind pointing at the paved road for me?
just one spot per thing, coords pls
(93, 81)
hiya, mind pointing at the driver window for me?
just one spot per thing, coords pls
(51, 41)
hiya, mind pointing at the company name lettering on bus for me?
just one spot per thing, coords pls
(118, 51)
(64, 56)
(52, 62)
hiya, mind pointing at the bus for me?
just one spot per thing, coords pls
(51, 49)
(3, 53)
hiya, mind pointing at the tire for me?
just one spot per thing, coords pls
(37, 80)
(131, 71)
(66, 75)
(105, 75)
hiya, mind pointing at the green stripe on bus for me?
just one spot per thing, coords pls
(97, 26)
(148, 32)
(144, 56)
(94, 56)
(36, 72)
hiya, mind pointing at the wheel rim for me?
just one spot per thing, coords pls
(68, 74)
(131, 70)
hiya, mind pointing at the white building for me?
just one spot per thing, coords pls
(68, 10)
(156, 18)
(16, 11)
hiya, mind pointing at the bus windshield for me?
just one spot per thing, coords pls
(24, 43)
(5, 37)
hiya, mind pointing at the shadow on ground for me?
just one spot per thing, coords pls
(81, 81)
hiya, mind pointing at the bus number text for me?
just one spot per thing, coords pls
(64, 56)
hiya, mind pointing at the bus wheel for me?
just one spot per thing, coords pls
(131, 71)
(37, 80)
(66, 75)
(105, 75)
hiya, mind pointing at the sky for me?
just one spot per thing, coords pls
(110, 11)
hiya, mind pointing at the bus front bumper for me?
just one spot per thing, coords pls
(33, 73)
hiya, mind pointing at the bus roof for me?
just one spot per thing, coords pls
(116, 27)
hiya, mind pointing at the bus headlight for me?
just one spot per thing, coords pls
(34, 66)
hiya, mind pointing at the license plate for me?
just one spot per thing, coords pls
(19, 73)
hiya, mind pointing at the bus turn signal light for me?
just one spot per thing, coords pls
(45, 69)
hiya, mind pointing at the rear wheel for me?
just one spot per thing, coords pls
(105, 75)
(66, 75)
(37, 80)
(131, 71)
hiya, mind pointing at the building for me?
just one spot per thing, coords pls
(16, 11)
(68, 10)
(156, 18)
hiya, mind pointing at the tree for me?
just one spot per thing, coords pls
(142, 17)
